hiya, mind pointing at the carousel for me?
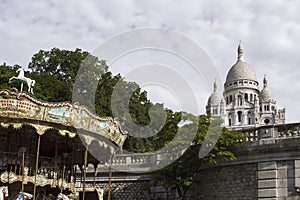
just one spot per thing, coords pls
(46, 147)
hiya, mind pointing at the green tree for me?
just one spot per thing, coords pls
(55, 72)
(180, 175)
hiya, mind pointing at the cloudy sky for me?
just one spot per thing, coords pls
(270, 31)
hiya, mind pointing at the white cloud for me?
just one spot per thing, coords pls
(269, 30)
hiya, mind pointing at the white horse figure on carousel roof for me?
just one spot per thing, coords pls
(3, 192)
(21, 78)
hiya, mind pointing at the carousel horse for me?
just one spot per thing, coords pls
(23, 196)
(3, 192)
(21, 78)
(61, 196)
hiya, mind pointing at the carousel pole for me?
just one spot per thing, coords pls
(23, 150)
(36, 165)
(95, 174)
(109, 176)
(109, 181)
(84, 172)
(63, 178)
(65, 155)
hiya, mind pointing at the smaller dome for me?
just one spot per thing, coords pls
(216, 97)
(266, 94)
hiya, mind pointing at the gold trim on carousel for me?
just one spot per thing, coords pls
(11, 177)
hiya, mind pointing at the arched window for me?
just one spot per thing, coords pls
(227, 100)
(215, 111)
(239, 116)
(240, 100)
(251, 97)
(230, 98)
(246, 96)
(229, 119)
(249, 117)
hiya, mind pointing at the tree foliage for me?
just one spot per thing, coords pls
(180, 175)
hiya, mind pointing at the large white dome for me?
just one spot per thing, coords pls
(241, 70)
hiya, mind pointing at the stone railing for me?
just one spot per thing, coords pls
(135, 159)
(255, 136)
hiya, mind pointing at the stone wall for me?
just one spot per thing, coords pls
(128, 190)
(236, 182)
(263, 180)
(267, 169)
(258, 180)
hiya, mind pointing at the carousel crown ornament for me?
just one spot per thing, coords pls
(22, 79)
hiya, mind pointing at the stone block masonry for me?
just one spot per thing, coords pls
(265, 180)
(128, 190)
(235, 182)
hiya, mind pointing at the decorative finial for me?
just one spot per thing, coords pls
(215, 86)
(241, 51)
(265, 81)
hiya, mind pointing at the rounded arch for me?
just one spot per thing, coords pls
(249, 118)
(239, 116)
(229, 119)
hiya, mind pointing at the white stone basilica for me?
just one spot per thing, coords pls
(242, 105)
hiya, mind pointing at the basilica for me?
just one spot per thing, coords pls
(243, 104)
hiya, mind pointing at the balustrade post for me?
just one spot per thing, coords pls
(128, 160)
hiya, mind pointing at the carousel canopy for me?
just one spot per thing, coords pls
(18, 108)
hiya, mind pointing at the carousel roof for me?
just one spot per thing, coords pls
(18, 108)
